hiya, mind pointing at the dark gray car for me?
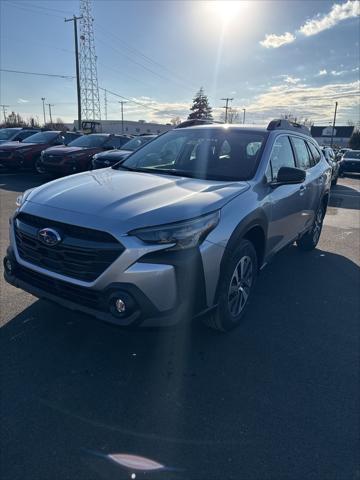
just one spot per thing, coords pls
(180, 228)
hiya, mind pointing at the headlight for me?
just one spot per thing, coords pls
(21, 198)
(186, 234)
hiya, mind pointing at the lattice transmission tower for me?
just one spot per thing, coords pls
(90, 99)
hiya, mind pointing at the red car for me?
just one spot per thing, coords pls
(77, 155)
(27, 154)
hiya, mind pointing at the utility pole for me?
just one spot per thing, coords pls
(4, 107)
(122, 115)
(333, 127)
(50, 105)
(244, 112)
(105, 104)
(43, 102)
(227, 100)
(78, 89)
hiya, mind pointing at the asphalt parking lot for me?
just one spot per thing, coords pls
(275, 399)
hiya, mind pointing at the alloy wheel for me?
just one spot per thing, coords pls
(240, 285)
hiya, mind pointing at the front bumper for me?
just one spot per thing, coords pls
(60, 167)
(163, 288)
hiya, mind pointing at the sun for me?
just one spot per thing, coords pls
(227, 10)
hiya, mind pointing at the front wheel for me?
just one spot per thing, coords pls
(38, 166)
(334, 181)
(235, 288)
(310, 239)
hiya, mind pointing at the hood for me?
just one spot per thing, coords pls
(131, 199)
(18, 145)
(64, 150)
(114, 154)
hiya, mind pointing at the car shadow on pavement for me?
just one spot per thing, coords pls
(21, 181)
(276, 395)
(344, 197)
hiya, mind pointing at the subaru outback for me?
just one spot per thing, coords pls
(180, 229)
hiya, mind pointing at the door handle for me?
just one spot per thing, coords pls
(302, 189)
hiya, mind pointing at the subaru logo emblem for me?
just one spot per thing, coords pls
(49, 237)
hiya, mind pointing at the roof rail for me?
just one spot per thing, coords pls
(196, 121)
(282, 124)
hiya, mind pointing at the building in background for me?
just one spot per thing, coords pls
(129, 127)
(341, 136)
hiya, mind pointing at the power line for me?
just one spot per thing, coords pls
(37, 73)
(135, 62)
(131, 100)
(146, 57)
(28, 9)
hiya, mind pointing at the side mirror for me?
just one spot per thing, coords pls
(289, 176)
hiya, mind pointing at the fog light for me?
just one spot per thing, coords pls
(120, 305)
(8, 265)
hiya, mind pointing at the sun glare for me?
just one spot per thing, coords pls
(227, 10)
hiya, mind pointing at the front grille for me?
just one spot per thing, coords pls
(81, 295)
(83, 253)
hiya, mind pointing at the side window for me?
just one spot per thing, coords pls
(302, 153)
(281, 156)
(315, 153)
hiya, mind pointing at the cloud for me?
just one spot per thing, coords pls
(22, 100)
(313, 102)
(338, 12)
(291, 80)
(276, 41)
(313, 26)
(338, 73)
(322, 73)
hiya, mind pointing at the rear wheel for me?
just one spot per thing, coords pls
(235, 287)
(309, 241)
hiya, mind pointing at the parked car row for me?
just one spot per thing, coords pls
(343, 161)
(63, 153)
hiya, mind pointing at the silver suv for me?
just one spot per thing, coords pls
(181, 228)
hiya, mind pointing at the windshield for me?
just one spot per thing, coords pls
(352, 154)
(135, 143)
(217, 154)
(8, 133)
(89, 141)
(42, 137)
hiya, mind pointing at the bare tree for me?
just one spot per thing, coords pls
(175, 121)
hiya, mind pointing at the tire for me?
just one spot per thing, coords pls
(235, 288)
(38, 168)
(310, 239)
(334, 181)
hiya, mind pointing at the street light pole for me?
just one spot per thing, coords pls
(227, 100)
(43, 102)
(333, 127)
(122, 115)
(50, 105)
(244, 112)
(78, 89)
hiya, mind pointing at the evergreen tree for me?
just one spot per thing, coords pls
(200, 108)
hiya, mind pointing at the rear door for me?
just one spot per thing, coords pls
(286, 200)
(309, 190)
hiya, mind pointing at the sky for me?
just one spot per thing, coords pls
(271, 57)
